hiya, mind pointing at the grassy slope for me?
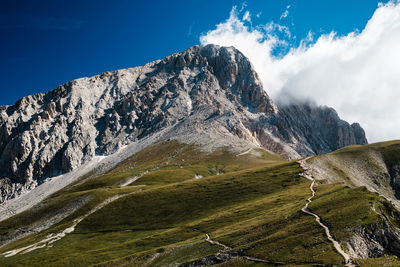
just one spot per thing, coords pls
(389, 151)
(253, 207)
(180, 162)
(344, 217)
(156, 156)
(363, 199)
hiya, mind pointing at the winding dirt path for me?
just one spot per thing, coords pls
(228, 255)
(134, 178)
(306, 210)
(213, 242)
(51, 238)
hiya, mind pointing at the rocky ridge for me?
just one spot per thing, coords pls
(207, 95)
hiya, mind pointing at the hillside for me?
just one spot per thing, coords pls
(375, 166)
(173, 204)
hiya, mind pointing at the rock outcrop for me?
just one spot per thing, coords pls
(375, 240)
(317, 128)
(208, 95)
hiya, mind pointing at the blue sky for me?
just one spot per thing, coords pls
(47, 43)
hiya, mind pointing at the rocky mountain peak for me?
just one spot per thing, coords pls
(232, 70)
(208, 95)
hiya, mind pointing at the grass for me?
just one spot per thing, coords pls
(183, 161)
(251, 203)
(191, 161)
(254, 209)
(96, 189)
(387, 261)
(341, 217)
(389, 150)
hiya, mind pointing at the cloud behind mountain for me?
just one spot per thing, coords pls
(357, 73)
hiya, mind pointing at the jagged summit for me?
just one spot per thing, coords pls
(207, 95)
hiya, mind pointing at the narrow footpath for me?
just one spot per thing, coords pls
(224, 255)
(306, 210)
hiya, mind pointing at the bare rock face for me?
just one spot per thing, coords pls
(375, 240)
(315, 129)
(208, 95)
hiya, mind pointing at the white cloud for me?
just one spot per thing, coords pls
(285, 13)
(358, 74)
(272, 28)
(247, 17)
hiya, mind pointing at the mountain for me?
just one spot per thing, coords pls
(187, 162)
(210, 96)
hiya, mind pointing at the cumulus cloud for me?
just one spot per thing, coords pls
(358, 74)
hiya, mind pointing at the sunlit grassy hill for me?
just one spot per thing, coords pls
(157, 207)
(376, 166)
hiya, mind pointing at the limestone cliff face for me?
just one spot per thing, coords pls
(316, 129)
(208, 95)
